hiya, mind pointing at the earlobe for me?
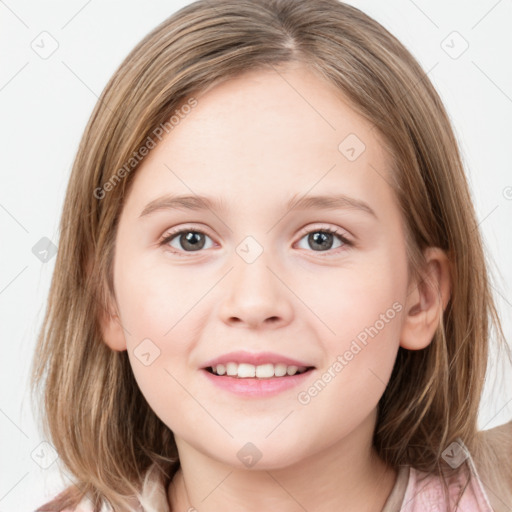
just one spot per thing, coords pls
(426, 301)
(112, 331)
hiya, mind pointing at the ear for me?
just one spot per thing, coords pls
(112, 329)
(426, 301)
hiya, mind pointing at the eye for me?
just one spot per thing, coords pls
(188, 240)
(323, 239)
(194, 239)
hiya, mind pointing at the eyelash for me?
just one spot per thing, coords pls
(171, 235)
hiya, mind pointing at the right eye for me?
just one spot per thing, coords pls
(187, 240)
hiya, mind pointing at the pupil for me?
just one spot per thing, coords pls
(193, 240)
(318, 237)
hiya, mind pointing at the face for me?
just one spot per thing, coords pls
(321, 284)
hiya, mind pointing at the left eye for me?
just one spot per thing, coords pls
(190, 240)
(323, 239)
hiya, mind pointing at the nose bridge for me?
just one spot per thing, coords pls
(254, 293)
(252, 279)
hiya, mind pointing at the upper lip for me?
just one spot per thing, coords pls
(254, 358)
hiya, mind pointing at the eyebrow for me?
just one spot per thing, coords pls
(198, 203)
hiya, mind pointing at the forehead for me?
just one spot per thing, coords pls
(278, 132)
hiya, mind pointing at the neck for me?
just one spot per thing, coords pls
(347, 476)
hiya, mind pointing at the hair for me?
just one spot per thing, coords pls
(104, 431)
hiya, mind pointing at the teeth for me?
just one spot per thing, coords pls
(291, 370)
(232, 369)
(246, 370)
(280, 370)
(263, 371)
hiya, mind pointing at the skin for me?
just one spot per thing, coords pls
(255, 141)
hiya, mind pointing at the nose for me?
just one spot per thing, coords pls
(254, 295)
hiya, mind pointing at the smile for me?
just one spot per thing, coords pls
(263, 371)
(252, 386)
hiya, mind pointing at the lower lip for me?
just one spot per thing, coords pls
(254, 387)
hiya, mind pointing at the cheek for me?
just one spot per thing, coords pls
(367, 338)
(359, 357)
(154, 316)
(369, 296)
(365, 312)
(154, 298)
(158, 320)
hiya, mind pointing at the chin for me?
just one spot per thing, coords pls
(262, 454)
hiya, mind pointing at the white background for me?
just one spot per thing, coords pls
(46, 103)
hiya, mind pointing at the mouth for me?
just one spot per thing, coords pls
(256, 372)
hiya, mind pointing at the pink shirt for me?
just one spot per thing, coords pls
(414, 491)
(424, 492)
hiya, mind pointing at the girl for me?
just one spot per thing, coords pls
(270, 290)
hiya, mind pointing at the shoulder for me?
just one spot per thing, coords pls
(493, 462)
(496, 445)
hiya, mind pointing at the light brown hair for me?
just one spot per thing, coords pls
(93, 412)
